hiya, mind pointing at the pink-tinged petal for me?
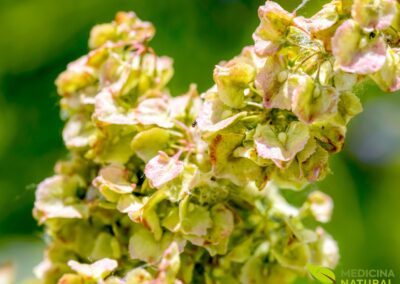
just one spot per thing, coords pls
(374, 14)
(215, 116)
(132, 29)
(250, 54)
(115, 178)
(310, 101)
(129, 203)
(356, 52)
(269, 80)
(97, 270)
(303, 23)
(272, 12)
(154, 111)
(321, 206)
(162, 169)
(264, 47)
(78, 132)
(283, 146)
(329, 249)
(310, 165)
(56, 197)
(274, 20)
(169, 266)
(268, 145)
(186, 107)
(107, 111)
(321, 21)
(274, 23)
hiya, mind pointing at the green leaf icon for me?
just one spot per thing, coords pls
(322, 274)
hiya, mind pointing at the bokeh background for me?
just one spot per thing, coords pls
(39, 37)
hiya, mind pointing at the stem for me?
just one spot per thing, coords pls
(254, 104)
(301, 5)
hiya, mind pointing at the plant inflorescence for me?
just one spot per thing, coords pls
(188, 189)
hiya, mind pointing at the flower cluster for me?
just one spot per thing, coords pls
(282, 106)
(188, 189)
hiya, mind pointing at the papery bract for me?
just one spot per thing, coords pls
(281, 146)
(161, 169)
(97, 270)
(355, 51)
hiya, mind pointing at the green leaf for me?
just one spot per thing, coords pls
(322, 274)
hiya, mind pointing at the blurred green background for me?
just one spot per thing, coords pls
(39, 37)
